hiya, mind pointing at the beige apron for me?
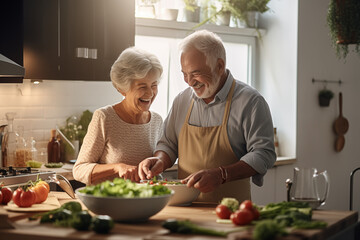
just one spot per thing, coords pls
(209, 147)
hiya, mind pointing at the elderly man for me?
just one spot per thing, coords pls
(220, 129)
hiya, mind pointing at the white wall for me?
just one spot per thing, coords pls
(40, 107)
(315, 137)
(296, 49)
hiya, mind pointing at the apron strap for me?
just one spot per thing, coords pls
(188, 112)
(228, 104)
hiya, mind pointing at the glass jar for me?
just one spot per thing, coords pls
(9, 141)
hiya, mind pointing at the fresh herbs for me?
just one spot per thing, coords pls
(276, 217)
(125, 188)
(70, 214)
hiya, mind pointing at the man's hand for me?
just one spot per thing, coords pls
(150, 167)
(205, 180)
(128, 172)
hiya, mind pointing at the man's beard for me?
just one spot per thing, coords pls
(210, 91)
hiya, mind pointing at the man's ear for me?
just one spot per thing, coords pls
(220, 66)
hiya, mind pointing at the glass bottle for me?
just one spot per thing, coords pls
(9, 141)
(33, 150)
(276, 143)
(53, 148)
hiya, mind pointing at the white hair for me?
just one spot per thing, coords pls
(132, 64)
(208, 43)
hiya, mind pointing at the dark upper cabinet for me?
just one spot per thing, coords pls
(76, 39)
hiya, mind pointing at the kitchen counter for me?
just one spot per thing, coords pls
(202, 215)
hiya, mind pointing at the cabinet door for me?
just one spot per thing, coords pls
(93, 34)
(76, 39)
(41, 56)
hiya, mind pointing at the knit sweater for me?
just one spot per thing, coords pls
(111, 140)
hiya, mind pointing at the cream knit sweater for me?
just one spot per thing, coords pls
(111, 140)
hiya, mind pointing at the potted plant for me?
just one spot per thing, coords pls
(344, 23)
(325, 96)
(240, 10)
(250, 10)
(146, 8)
(191, 11)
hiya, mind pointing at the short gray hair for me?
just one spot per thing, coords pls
(132, 64)
(208, 43)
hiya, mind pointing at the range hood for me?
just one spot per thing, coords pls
(10, 72)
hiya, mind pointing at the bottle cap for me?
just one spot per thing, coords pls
(53, 132)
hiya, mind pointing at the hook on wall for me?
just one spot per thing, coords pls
(327, 81)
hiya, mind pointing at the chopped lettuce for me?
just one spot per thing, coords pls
(125, 188)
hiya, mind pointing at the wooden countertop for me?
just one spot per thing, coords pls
(202, 215)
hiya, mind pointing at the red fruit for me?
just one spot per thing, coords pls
(242, 217)
(247, 204)
(223, 211)
(7, 195)
(256, 213)
(24, 198)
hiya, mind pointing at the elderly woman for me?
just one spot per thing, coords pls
(121, 135)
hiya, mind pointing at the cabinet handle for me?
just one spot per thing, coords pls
(92, 53)
(82, 52)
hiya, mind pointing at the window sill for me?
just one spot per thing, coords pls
(280, 161)
(181, 29)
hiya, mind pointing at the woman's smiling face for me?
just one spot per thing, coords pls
(142, 92)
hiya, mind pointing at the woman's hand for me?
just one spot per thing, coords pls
(205, 180)
(128, 172)
(150, 167)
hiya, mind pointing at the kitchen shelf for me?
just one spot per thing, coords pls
(165, 28)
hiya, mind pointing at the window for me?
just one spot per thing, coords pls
(162, 39)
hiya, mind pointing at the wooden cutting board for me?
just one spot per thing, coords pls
(50, 203)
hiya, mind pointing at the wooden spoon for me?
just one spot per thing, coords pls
(341, 124)
(339, 143)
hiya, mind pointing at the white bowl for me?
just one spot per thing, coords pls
(124, 209)
(183, 196)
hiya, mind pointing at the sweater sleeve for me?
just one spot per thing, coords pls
(91, 149)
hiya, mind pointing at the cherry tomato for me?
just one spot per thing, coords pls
(242, 217)
(41, 192)
(247, 204)
(256, 213)
(24, 197)
(7, 195)
(223, 211)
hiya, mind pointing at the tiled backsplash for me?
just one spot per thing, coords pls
(39, 108)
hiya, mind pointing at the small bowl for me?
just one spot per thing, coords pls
(124, 209)
(184, 196)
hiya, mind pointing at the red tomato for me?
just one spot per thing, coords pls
(256, 213)
(247, 204)
(24, 198)
(41, 193)
(7, 195)
(223, 211)
(242, 217)
(1, 197)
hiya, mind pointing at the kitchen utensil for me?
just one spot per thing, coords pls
(63, 183)
(134, 209)
(304, 186)
(341, 124)
(339, 143)
(184, 196)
